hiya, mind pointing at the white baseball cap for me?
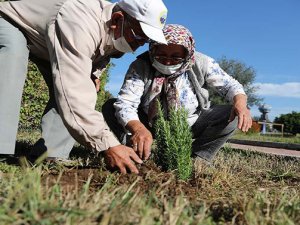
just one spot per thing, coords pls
(151, 14)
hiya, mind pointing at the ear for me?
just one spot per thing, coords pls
(116, 18)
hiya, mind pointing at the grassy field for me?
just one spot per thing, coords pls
(258, 137)
(240, 188)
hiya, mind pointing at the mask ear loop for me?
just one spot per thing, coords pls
(122, 29)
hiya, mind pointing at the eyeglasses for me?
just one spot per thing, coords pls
(139, 38)
(175, 60)
(136, 36)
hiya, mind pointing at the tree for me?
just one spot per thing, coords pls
(291, 122)
(244, 74)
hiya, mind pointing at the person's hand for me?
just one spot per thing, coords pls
(123, 158)
(240, 110)
(96, 82)
(141, 139)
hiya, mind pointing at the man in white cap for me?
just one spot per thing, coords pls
(71, 41)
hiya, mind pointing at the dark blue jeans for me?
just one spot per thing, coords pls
(210, 131)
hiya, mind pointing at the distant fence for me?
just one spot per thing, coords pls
(273, 124)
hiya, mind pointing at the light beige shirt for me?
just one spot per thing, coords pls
(73, 35)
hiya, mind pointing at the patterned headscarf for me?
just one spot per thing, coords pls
(179, 35)
(163, 87)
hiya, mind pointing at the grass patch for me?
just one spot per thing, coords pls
(259, 137)
(241, 188)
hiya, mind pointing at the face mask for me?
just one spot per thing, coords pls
(121, 44)
(164, 69)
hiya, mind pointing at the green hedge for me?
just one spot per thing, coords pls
(35, 97)
(291, 122)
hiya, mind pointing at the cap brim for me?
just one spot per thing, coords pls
(153, 33)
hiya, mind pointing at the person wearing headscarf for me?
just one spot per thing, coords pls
(177, 76)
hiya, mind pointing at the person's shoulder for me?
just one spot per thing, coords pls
(200, 55)
(203, 59)
(144, 56)
(142, 60)
(105, 3)
(142, 65)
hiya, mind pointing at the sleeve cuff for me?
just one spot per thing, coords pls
(108, 140)
(231, 95)
(124, 117)
(124, 122)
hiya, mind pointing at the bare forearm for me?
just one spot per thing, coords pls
(240, 100)
(134, 125)
(241, 110)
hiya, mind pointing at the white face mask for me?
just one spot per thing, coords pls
(164, 69)
(121, 44)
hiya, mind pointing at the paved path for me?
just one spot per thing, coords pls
(276, 151)
(268, 144)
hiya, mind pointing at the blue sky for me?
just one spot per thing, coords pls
(264, 34)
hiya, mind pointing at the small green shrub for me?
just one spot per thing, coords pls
(174, 143)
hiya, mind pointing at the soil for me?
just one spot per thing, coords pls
(152, 181)
(149, 178)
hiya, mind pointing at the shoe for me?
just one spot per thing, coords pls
(9, 159)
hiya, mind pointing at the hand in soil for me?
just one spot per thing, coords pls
(122, 158)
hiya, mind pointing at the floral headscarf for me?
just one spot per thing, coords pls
(179, 35)
(163, 87)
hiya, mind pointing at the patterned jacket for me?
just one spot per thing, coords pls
(204, 73)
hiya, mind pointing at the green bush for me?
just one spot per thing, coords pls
(35, 97)
(103, 95)
(174, 143)
(291, 122)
